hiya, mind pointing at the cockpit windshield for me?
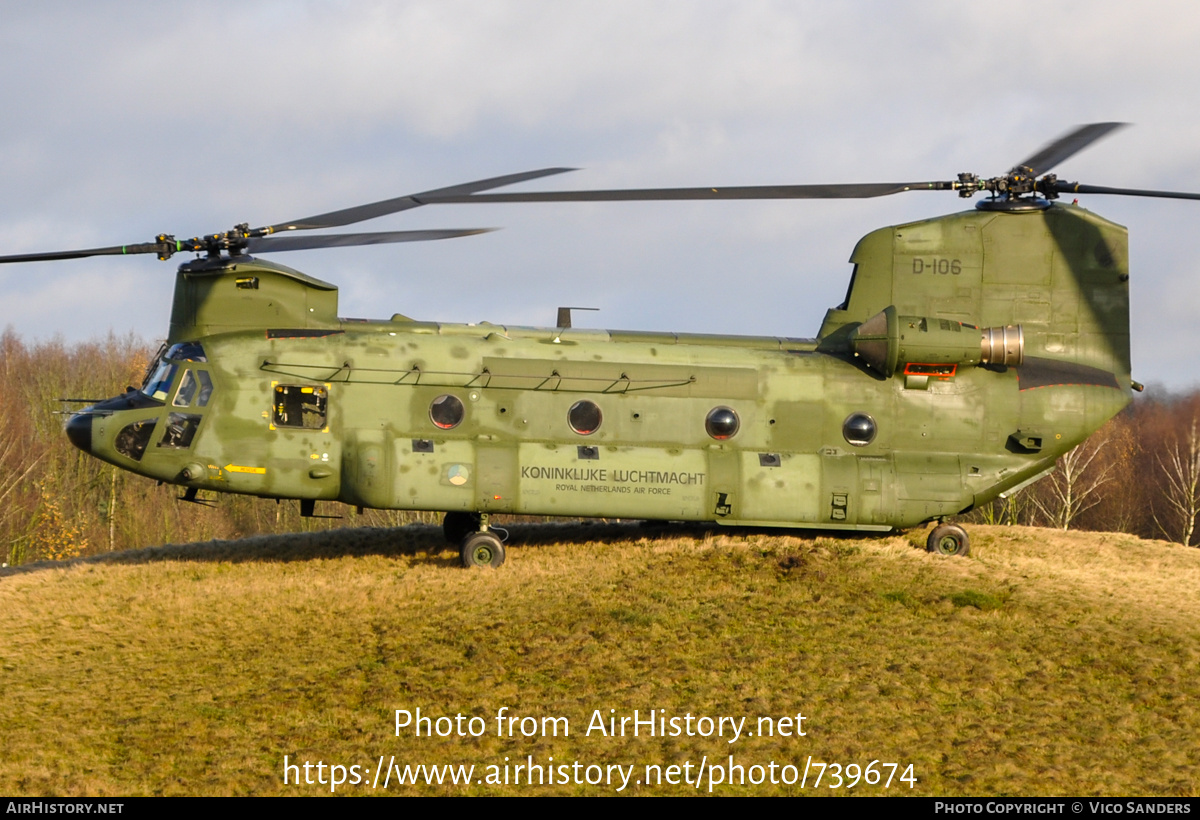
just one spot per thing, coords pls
(158, 381)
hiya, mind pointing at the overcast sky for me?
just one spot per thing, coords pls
(124, 120)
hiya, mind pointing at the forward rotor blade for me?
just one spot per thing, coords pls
(851, 191)
(1077, 188)
(115, 250)
(341, 240)
(361, 213)
(1066, 146)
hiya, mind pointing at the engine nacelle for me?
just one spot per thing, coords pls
(887, 342)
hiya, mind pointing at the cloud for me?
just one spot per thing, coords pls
(124, 121)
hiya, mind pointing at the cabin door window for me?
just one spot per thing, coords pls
(300, 406)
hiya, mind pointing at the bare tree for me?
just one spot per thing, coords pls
(10, 481)
(1125, 502)
(1180, 465)
(1011, 508)
(1074, 487)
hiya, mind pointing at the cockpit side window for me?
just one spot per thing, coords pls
(195, 389)
(181, 429)
(186, 391)
(132, 440)
(205, 388)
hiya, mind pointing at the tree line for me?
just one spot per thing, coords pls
(1140, 474)
(57, 502)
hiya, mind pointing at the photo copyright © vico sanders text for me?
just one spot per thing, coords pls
(1142, 805)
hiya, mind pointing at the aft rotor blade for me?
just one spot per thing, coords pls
(361, 213)
(341, 240)
(1077, 188)
(850, 191)
(1066, 146)
(115, 250)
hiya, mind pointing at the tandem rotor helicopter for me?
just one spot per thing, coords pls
(971, 351)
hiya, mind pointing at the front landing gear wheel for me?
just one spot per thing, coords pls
(458, 525)
(948, 539)
(482, 549)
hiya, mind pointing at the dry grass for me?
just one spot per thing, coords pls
(1046, 663)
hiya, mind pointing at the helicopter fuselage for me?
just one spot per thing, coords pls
(892, 416)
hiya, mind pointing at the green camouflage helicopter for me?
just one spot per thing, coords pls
(971, 351)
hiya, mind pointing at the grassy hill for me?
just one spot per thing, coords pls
(1045, 663)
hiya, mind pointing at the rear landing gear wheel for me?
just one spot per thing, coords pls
(458, 525)
(482, 549)
(948, 539)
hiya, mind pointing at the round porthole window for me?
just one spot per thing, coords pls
(584, 417)
(721, 423)
(446, 411)
(859, 429)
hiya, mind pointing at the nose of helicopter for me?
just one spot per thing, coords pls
(79, 431)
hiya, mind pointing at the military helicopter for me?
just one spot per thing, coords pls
(971, 351)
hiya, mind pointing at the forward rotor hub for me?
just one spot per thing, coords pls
(1016, 183)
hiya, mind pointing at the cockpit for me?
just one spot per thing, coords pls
(185, 398)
